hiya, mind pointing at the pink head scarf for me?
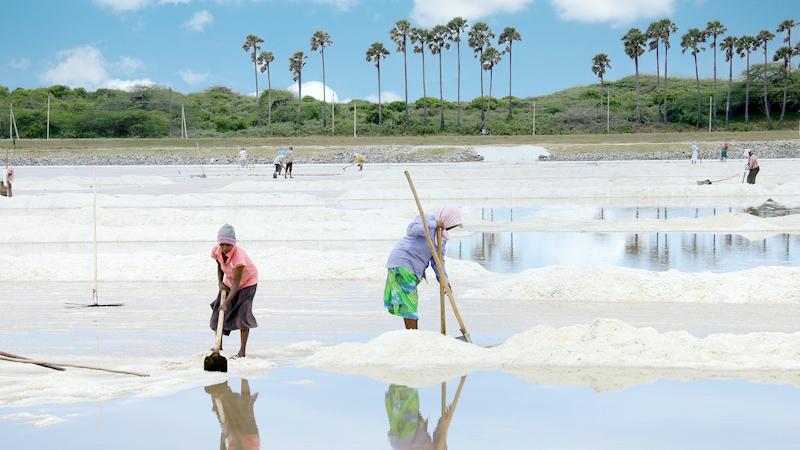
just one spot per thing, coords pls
(450, 217)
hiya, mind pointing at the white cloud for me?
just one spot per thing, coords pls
(20, 64)
(199, 21)
(617, 11)
(174, 2)
(192, 77)
(386, 97)
(85, 66)
(429, 13)
(128, 65)
(314, 89)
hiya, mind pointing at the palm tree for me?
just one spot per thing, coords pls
(634, 42)
(490, 58)
(296, 63)
(746, 45)
(437, 44)
(600, 64)
(375, 53)
(320, 40)
(653, 35)
(508, 36)
(728, 45)
(420, 37)
(763, 39)
(667, 28)
(399, 35)
(479, 37)
(715, 29)
(784, 54)
(252, 44)
(457, 27)
(264, 60)
(693, 40)
(786, 27)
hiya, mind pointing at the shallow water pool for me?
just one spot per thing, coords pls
(295, 408)
(687, 252)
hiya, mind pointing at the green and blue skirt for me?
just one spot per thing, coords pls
(400, 295)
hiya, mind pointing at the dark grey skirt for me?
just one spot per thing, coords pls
(240, 316)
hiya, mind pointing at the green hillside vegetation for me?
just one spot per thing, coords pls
(153, 112)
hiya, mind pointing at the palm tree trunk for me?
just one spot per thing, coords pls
(666, 90)
(483, 110)
(510, 44)
(658, 82)
(638, 112)
(324, 97)
(258, 98)
(299, 96)
(424, 90)
(458, 112)
(269, 103)
(380, 106)
(766, 97)
(489, 99)
(785, 88)
(747, 92)
(441, 95)
(730, 83)
(714, 94)
(697, 79)
(405, 74)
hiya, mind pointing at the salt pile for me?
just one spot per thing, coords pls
(422, 358)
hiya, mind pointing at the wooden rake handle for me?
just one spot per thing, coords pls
(442, 276)
(220, 321)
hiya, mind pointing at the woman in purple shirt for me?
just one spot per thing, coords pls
(409, 259)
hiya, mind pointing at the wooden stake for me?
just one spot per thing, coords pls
(437, 260)
(48, 117)
(184, 131)
(94, 230)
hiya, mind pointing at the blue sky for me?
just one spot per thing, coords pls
(192, 44)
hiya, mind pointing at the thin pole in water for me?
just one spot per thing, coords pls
(94, 229)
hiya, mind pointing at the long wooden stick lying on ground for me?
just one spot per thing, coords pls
(11, 355)
(77, 366)
(442, 276)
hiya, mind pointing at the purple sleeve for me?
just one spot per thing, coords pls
(415, 228)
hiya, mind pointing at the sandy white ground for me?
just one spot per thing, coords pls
(320, 241)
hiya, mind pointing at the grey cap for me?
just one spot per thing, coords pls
(226, 235)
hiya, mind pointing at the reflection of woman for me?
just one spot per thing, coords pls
(407, 428)
(236, 417)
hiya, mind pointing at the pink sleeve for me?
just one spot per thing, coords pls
(239, 258)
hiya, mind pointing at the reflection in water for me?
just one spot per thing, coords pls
(769, 208)
(236, 417)
(408, 430)
(688, 252)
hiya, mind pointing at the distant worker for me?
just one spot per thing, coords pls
(695, 152)
(723, 154)
(243, 158)
(8, 180)
(752, 167)
(288, 161)
(359, 160)
(278, 162)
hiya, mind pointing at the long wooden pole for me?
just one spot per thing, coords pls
(77, 366)
(49, 366)
(448, 417)
(442, 276)
(443, 324)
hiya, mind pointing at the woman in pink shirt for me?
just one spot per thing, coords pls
(752, 167)
(238, 276)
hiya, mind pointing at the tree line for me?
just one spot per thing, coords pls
(658, 35)
(435, 40)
